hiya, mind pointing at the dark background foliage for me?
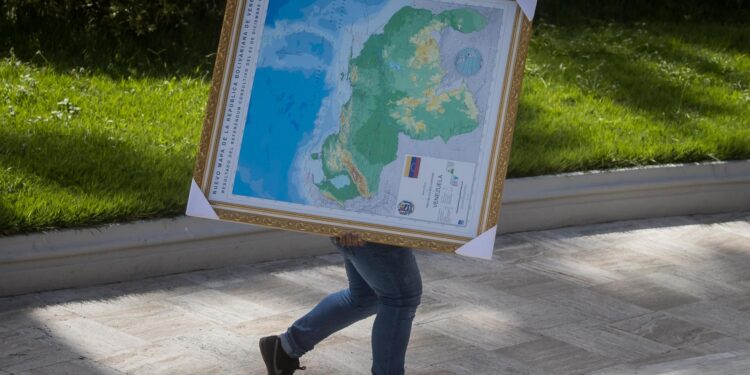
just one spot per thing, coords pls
(133, 37)
(577, 11)
(119, 36)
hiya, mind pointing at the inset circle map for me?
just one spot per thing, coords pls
(468, 61)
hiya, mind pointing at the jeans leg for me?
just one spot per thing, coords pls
(394, 276)
(390, 338)
(333, 313)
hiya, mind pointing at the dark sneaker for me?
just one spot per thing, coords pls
(276, 359)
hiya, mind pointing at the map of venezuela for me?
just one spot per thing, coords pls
(396, 89)
(345, 93)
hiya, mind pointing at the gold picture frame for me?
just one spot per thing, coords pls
(331, 226)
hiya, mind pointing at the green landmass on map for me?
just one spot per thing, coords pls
(395, 89)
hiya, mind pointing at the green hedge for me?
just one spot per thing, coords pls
(576, 11)
(180, 36)
(116, 35)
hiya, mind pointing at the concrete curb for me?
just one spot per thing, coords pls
(119, 252)
(548, 202)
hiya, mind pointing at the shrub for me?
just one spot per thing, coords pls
(126, 34)
(576, 11)
(180, 36)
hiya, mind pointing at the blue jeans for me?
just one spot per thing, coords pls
(383, 280)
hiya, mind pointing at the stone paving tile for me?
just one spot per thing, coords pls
(556, 357)
(168, 357)
(29, 318)
(92, 339)
(157, 288)
(670, 356)
(658, 296)
(569, 269)
(433, 308)
(722, 318)
(605, 341)
(714, 364)
(667, 329)
(325, 279)
(320, 364)
(276, 293)
(29, 348)
(266, 326)
(518, 251)
(471, 327)
(103, 306)
(427, 347)
(219, 307)
(152, 321)
(645, 293)
(695, 283)
(740, 302)
(290, 265)
(618, 258)
(477, 361)
(221, 277)
(345, 357)
(234, 353)
(586, 302)
(722, 345)
(517, 311)
(436, 266)
(74, 367)
(509, 278)
(739, 228)
(26, 301)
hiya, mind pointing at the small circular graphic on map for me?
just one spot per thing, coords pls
(468, 61)
(405, 208)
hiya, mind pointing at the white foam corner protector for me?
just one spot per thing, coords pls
(528, 7)
(198, 205)
(480, 247)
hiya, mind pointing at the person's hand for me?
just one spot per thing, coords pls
(349, 239)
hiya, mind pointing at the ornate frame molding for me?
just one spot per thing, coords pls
(329, 226)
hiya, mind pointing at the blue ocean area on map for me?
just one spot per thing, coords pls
(295, 10)
(279, 119)
(288, 116)
(307, 43)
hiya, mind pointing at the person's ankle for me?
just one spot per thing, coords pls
(284, 344)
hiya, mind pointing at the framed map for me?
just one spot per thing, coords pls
(389, 118)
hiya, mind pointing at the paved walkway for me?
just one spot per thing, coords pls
(666, 296)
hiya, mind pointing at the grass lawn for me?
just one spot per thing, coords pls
(614, 96)
(78, 148)
(81, 147)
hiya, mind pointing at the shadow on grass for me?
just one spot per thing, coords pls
(106, 180)
(536, 145)
(639, 87)
(728, 73)
(731, 37)
(7, 216)
(644, 75)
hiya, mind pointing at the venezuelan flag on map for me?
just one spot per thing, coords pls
(412, 166)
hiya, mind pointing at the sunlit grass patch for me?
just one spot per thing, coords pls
(78, 148)
(622, 96)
